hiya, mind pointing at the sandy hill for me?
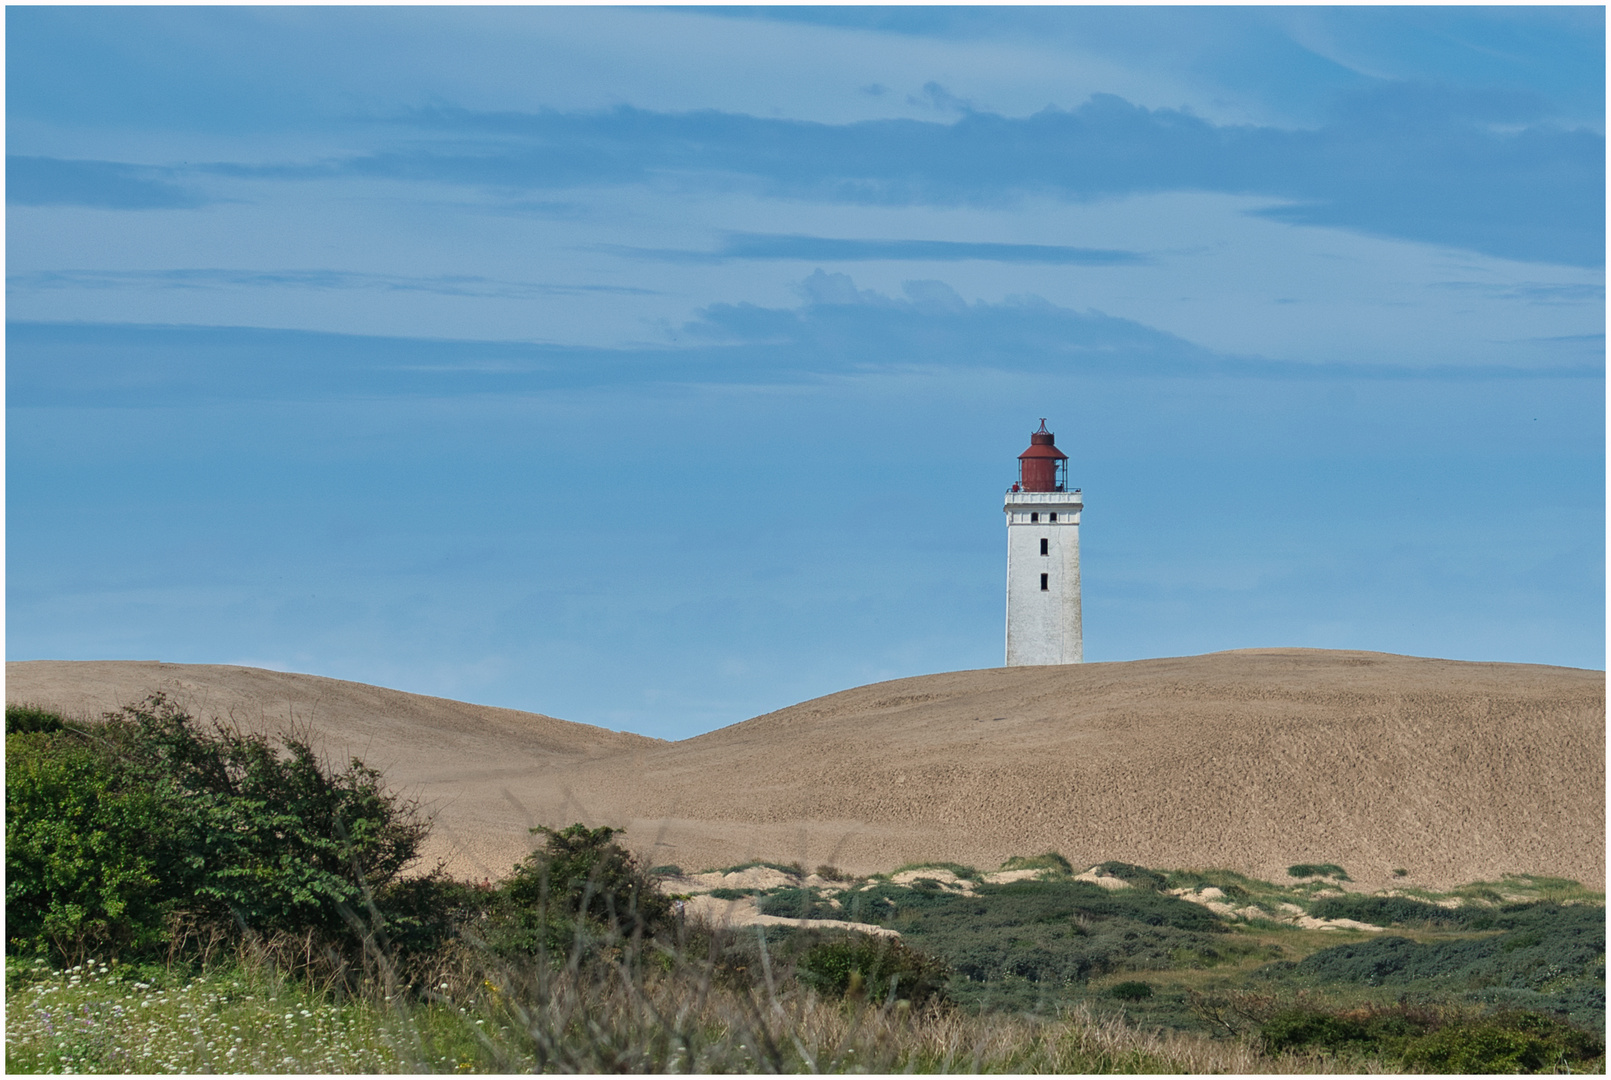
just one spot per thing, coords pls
(1251, 760)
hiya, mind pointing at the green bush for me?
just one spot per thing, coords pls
(579, 887)
(1131, 991)
(1316, 1029)
(1433, 1040)
(94, 860)
(1504, 1043)
(29, 719)
(798, 904)
(114, 831)
(1324, 870)
(879, 968)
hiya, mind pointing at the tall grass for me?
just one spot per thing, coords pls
(658, 1009)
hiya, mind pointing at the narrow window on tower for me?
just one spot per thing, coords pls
(1054, 515)
(1035, 516)
(1043, 586)
(1043, 544)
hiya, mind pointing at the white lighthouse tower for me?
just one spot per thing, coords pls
(1043, 558)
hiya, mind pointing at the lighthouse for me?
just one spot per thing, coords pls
(1043, 558)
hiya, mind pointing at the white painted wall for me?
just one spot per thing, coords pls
(1043, 627)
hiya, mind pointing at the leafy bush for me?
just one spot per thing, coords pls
(90, 852)
(1434, 1040)
(798, 904)
(1310, 1028)
(1131, 991)
(580, 886)
(1324, 870)
(879, 968)
(832, 873)
(115, 831)
(1504, 1043)
(29, 719)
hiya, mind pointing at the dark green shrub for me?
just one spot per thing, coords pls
(798, 904)
(114, 830)
(1324, 870)
(579, 887)
(27, 719)
(1548, 957)
(879, 968)
(1502, 1043)
(1315, 1029)
(1389, 911)
(1131, 991)
(668, 870)
(832, 873)
(732, 894)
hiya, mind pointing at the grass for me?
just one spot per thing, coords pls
(97, 1019)
(1045, 975)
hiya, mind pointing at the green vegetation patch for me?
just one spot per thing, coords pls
(120, 832)
(1321, 870)
(1548, 957)
(29, 719)
(798, 904)
(1051, 860)
(879, 968)
(1436, 1040)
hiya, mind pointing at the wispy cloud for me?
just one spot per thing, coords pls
(1484, 171)
(1533, 292)
(446, 284)
(837, 329)
(109, 185)
(767, 246)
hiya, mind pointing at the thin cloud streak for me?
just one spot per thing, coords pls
(445, 285)
(781, 246)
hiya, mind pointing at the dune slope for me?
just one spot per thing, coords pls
(1250, 760)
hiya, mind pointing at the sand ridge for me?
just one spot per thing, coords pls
(1249, 760)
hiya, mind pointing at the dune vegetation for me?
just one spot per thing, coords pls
(188, 897)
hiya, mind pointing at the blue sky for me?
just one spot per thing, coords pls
(656, 368)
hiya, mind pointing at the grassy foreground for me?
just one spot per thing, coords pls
(101, 1019)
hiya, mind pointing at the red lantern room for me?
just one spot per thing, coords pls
(1042, 467)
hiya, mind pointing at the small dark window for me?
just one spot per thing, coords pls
(1054, 515)
(1034, 516)
(1044, 544)
(1043, 586)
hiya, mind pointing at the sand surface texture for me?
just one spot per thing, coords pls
(1250, 760)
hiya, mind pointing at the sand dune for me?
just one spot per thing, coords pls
(1249, 760)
